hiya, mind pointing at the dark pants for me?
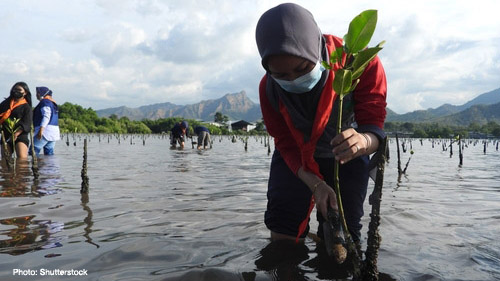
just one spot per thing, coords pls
(289, 198)
(176, 139)
(23, 137)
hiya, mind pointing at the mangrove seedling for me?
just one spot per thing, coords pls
(348, 63)
(9, 161)
(10, 126)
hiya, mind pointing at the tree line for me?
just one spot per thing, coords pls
(74, 118)
(438, 130)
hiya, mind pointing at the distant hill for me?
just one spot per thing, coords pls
(482, 109)
(236, 106)
(480, 114)
(492, 97)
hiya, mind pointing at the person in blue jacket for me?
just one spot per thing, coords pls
(203, 134)
(177, 134)
(46, 122)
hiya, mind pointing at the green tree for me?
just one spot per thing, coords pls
(220, 118)
(259, 126)
(496, 132)
(474, 127)
(138, 128)
(408, 127)
(68, 125)
(419, 133)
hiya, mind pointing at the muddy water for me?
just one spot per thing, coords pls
(153, 213)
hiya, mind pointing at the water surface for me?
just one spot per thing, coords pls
(154, 213)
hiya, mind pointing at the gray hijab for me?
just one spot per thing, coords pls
(290, 29)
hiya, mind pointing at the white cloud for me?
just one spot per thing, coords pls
(75, 35)
(118, 41)
(148, 7)
(105, 53)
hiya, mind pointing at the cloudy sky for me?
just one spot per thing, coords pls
(109, 53)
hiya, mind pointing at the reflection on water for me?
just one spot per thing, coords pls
(88, 219)
(26, 234)
(15, 182)
(153, 213)
(19, 181)
(180, 162)
(23, 235)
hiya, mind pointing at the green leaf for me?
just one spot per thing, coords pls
(362, 59)
(336, 55)
(326, 65)
(342, 82)
(380, 44)
(339, 51)
(360, 31)
(10, 124)
(333, 57)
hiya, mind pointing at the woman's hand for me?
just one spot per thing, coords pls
(322, 192)
(350, 144)
(324, 196)
(40, 133)
(17, 133)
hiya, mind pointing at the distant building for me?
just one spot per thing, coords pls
(477, 135)
(242, 125)
(400, 134)
(213, 123)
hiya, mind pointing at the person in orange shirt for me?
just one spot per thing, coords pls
(17, 106)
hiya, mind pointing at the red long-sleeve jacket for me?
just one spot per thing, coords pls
(369, 109)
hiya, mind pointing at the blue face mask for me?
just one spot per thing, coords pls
(304, 83)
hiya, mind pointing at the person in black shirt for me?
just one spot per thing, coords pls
(17, 108)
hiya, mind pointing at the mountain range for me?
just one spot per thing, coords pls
(482, 109)
(237, 106)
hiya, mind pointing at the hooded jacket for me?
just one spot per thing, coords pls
(369, 102)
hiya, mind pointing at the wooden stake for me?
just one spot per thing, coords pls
(460, 155)
(34, 163)
(399, 156)
(85, 178)
(370, 270)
